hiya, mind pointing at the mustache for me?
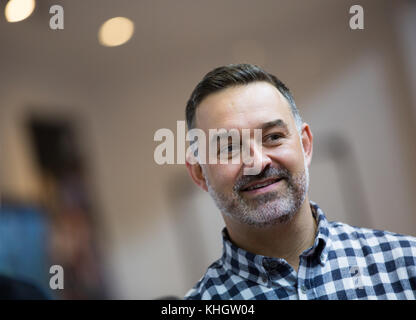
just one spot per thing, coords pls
(268, 172)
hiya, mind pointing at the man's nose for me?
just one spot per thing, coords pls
(257, 160)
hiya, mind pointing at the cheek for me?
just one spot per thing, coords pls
(224, 175)
(291, 157)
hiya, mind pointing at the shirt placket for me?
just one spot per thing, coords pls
(303, 284)
(281, 277)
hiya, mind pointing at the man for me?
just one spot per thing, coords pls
(277, 243)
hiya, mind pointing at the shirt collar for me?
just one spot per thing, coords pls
(322, 241)
(251, 266)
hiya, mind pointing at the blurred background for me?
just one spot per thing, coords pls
(78, 182)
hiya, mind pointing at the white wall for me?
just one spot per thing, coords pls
(341, 81)
(366, 119)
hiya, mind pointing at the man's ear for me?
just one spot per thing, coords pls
(307, 142)
(197, 176)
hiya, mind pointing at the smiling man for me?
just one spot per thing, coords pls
(277, 244)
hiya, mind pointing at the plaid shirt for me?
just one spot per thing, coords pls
(344, 262)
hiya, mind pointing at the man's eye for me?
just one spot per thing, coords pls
(273, 137)
(229, 149)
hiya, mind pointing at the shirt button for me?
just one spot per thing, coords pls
(303, 288)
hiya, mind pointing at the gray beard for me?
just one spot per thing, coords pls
(268, 209)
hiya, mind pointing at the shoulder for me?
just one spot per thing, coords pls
(211, 285)
(343, 231)
(373, 241)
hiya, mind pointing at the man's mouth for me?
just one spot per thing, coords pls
(260, 185)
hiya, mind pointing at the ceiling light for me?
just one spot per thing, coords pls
(18, 10)
(115, 31)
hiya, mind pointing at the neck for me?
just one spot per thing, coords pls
(283, 240)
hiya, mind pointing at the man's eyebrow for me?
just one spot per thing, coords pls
(265, 126)
(275, 123)
(220, 135)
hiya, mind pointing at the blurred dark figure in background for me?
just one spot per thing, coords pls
(24, 249)
(12, 289)
(277, 244)
(73, 237)
(57, 229)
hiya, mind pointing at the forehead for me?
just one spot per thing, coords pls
(243, 106)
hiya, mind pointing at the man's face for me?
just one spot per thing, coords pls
(278, 191)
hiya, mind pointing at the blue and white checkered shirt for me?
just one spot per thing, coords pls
(344, 262)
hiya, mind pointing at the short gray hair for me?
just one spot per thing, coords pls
(232, 75)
